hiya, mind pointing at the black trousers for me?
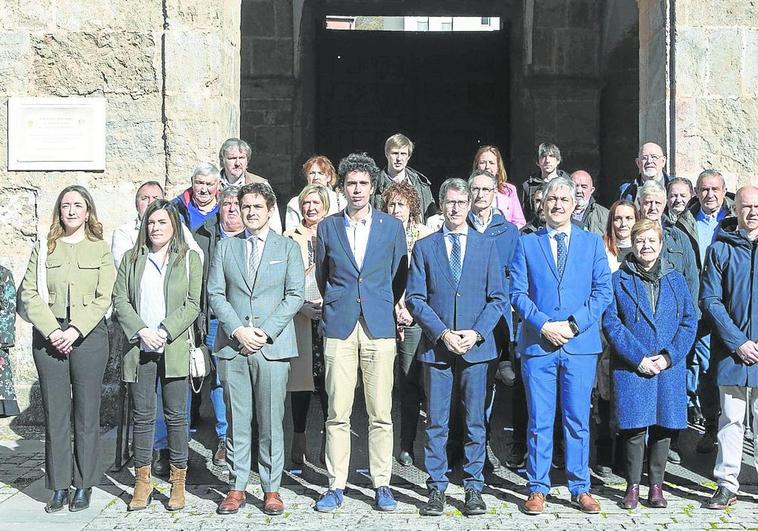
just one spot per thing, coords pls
(151, 372)
(410, 384)
(658, 442)
(78, 380)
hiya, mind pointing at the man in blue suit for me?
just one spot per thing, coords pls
(455, 292)
(560, 286)
(361, 269)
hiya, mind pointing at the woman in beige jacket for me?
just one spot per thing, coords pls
(65, 294)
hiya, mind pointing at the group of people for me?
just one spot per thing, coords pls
(642, 313)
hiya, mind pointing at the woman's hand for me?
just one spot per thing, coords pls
(404, 317)
(312, 310)
(152, 338)
(63, 341)
(662, 361)
(648, 366)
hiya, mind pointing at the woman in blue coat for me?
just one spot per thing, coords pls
(650, 326)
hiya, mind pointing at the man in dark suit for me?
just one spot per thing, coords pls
(255, 287)
(455, 292)
(560, 286)
(361, 268)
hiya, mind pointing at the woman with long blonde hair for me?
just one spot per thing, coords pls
(65, 294)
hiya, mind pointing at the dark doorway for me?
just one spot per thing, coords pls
(448, 92)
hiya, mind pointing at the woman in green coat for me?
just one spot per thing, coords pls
(156, 299)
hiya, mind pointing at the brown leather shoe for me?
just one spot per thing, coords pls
(234, 501)
(534, 504)
(586, 503)
(219, 456)
(272, 504)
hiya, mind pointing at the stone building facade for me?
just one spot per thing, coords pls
(179, 76)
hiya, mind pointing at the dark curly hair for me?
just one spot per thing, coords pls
(262, 189)
(405, 190)
(358, 162)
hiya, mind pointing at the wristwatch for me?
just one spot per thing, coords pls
(573, 326)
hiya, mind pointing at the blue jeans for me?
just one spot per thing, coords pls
(217, 392)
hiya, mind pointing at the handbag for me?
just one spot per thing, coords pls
(199, 357)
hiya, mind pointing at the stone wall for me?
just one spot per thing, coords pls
(169, 71)
(715, 74)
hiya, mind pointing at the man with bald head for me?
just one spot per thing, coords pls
(588, 214)
(651, 163)
(729, 299)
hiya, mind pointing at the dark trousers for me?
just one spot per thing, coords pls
(411, 390)
(658, 441)
(439, 383)
(150, 373)
(301, 403)
(77, 378)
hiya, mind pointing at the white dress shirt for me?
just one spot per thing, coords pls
(125, 237)
(357, 235)
(463, 231)
(554, 244)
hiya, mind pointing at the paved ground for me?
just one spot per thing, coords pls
(22, 496)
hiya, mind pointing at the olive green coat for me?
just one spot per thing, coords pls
(182, 296)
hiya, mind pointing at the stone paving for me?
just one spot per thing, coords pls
(22, 495)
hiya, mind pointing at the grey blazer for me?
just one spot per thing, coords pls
(269, 302)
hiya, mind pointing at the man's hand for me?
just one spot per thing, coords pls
(248, 339)
(468, 339)
(557, 333)
(748, 352)
(648, 366)
(452, 341)
(152, 338)
(260, 337)
(404, 317)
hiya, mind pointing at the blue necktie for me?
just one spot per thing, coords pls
(560, 239)
(455, 257)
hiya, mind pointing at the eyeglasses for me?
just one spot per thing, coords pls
(459, 204)
(476, 190)
(645, 158)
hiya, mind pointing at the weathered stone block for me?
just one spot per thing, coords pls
(750, 64)
(550, 14)
(14, 75)
(270, 57)
(704, 13)
(724, 62)
(283, 18)
(258, 19)
(18, 217)
(193, 16)
(106, 15)
(580, 52)
(544, 55)
(67, 64)
(691, 69)
(583, 14)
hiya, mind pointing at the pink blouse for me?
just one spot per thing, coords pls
(506, 200)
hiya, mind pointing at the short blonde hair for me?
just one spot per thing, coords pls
(398, 140)
(645, 225)
(321, 191)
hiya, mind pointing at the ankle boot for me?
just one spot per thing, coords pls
(177, 479)
(143, 489)
(632, 496)
(297, 456)
(655, 497)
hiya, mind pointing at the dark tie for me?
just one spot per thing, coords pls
(560, 239)
(455, 257)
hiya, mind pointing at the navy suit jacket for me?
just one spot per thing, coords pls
(371, 291)
(505, 235)
(539, 295)
(436, 302)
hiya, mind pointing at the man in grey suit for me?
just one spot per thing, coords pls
(255, 287)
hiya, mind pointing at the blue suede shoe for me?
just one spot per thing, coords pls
(329, 501)
(383, 500)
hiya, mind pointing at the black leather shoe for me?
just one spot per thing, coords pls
(80, 500)
(721, 499)
(160, 464)
(405, 458)
(674, 458)
(57, 501)
(436, 504)
(474, 503)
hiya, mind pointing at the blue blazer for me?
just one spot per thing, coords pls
(371, 291)
(539, 295)
(436, 302)
(635, 330)
(505, 235)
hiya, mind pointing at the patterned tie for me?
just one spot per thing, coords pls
(252, 261)
(560, 239)
(455, 257)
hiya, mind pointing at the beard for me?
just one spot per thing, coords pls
(650, 173)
